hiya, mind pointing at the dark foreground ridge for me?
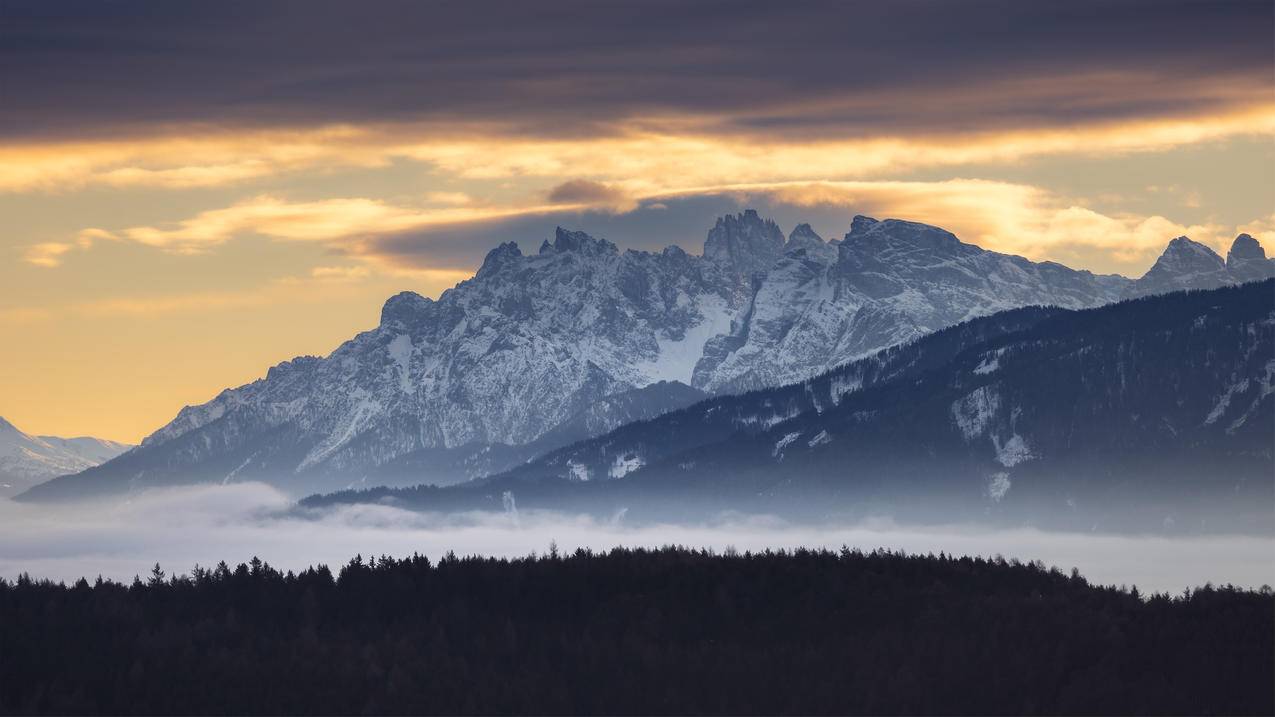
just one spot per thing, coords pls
(634, 632)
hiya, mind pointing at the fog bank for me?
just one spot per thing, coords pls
(181, 527)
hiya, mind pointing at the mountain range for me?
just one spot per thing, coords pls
(26, 460)
(540, 351)
(1152, 413)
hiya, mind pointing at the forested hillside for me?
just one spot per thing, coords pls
(634, 632)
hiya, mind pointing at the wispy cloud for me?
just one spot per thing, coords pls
(626, 160)
(1001, 216)
(50, 254)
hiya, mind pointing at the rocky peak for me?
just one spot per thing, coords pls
(1244, 248)
(1184, 264)
(744, 243)
(873, 245)
(1184, 252)
(1246, 260)
(804, 240)
(297, 365)
(500, 257)
(860, 224)
(565, 240)
(402, 309)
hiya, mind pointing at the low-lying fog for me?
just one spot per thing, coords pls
(181, 527)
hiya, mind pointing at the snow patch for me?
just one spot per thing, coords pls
(677, 358)
(401, 353)
(579, 471)
(363, 412)
(988, 365)
(820, 438)
(625, 464)
(841, 385)
(997, 486)
(1224, 401)
(991, 362)
(1012, 452)
(783, 442)
(975, 411)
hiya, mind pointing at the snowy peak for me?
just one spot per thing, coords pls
(1187, 264)
(744, 243)
(26, 460)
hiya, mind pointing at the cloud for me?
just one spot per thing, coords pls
(1008, 217)
(199, 156)
(352, 226)
(448, 243)
(1001, 216)
(47, 254)
(321, 220)
(204, 524)
(627, 161)
(1263, 230)
(448, 198)
(339, 273)
(584, 191)
(817, 68)
(50, 254)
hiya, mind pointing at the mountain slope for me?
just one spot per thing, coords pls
(1152, 413)
(26, 460)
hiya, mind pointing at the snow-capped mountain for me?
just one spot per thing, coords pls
(822, 304)
(26, 460)
(1146, 410)
(1187, 264)
(441, 389)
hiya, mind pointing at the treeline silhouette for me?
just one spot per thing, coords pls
(634, 632)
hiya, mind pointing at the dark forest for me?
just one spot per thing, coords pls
(634, 632)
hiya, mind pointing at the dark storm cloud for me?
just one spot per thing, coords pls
(567, 68)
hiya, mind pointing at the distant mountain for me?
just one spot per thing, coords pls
(26, 460)
(505, 362)
(1153, 413)
(1187, 264)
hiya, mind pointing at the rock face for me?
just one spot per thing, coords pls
(1187, 264)
(440, 388)
(26, 460)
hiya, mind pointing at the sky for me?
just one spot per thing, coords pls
(191, 193)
